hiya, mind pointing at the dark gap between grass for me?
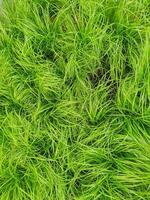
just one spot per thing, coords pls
(102, 74)
(49, 55)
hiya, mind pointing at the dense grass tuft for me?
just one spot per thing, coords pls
(75, 100)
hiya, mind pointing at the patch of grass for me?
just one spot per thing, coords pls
(75, 100)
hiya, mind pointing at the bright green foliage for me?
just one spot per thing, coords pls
(75, 100)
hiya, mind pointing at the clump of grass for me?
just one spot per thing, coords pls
(74, 100)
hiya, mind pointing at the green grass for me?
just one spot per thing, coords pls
(75, 100)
